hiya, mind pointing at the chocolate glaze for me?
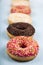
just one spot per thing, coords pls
(21, 29)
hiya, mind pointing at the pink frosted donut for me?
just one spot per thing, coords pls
(21, 9)
(22, 47)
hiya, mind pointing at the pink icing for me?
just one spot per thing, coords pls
(14, 47)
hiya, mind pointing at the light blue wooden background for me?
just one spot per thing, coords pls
(37, 18)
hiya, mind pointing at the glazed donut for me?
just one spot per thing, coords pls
(22, 2)
(21, 9)
(20, 29)
(19, 17)
(22, 48)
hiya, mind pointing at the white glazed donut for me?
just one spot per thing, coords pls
(19, 17)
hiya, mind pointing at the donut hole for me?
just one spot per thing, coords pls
(23, 45)
(21, 27)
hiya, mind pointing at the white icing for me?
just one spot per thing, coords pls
(20, 17)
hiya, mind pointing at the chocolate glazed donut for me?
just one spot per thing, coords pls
(21, 29)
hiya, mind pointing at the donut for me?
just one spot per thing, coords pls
(22, 48)
(20, 2)
(19, 17)
(20, 29)
(21, 9)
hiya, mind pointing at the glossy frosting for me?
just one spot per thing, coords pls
(21, 29)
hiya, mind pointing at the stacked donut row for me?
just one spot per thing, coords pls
(22, 46)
